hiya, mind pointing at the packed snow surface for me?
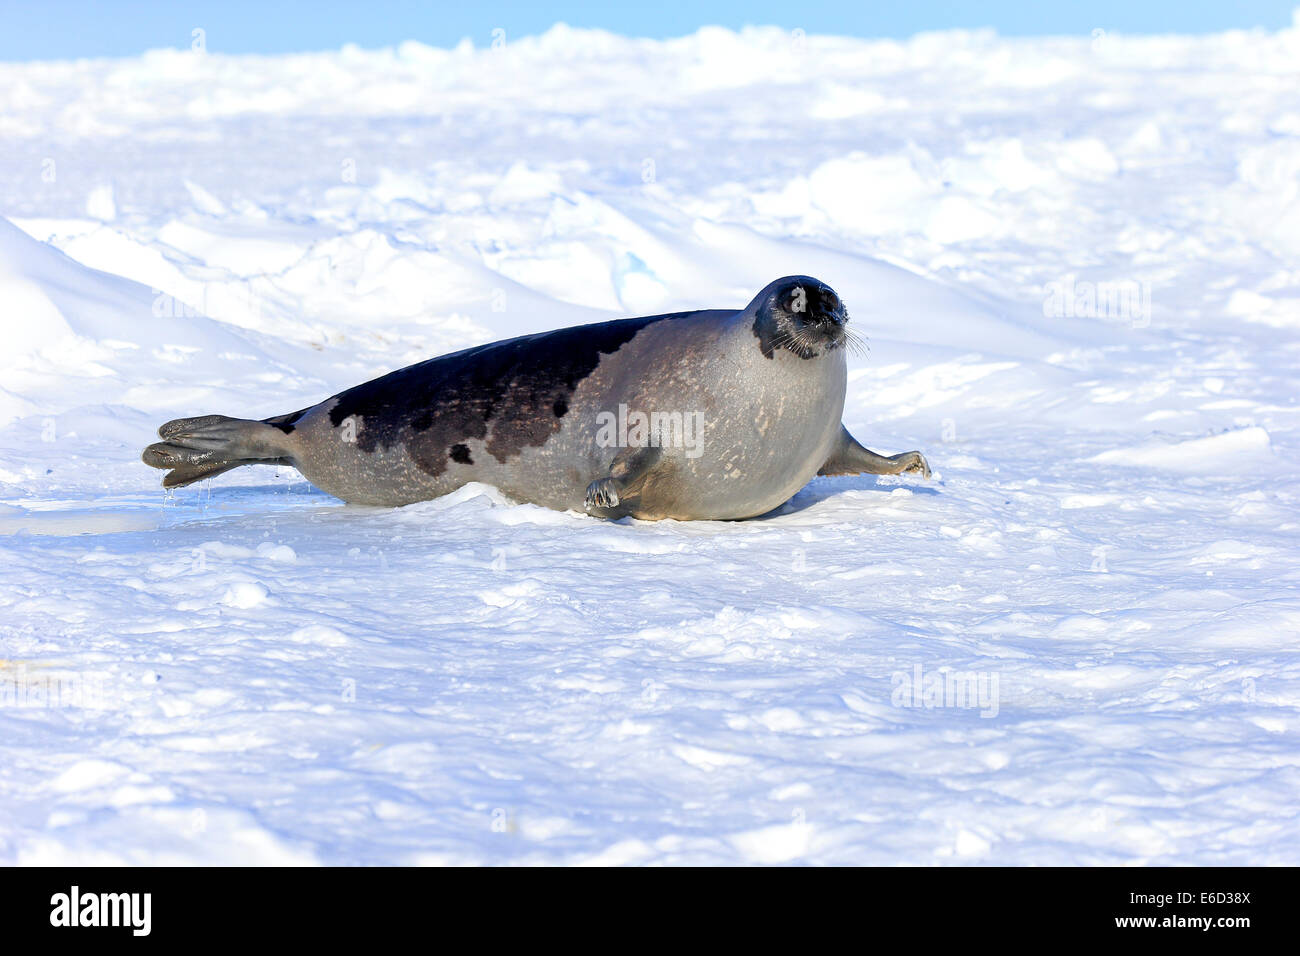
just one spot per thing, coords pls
(1077, 263)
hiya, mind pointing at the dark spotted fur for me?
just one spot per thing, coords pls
(520, 387)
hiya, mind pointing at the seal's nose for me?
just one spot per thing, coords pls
(826, 309)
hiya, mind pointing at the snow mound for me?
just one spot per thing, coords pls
(74, 329)
(1242, 449)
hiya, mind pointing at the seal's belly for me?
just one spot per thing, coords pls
(743, 471)
(767, 428)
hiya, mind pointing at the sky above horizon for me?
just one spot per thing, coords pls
(71, 29)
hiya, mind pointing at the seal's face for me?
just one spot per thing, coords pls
(802, 315)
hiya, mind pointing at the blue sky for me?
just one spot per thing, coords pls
(63, 29)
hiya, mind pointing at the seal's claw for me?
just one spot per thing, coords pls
(914, 461)
(602, 493)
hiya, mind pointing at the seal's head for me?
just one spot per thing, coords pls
(800, 314)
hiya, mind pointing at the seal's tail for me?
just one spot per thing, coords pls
(196, 448)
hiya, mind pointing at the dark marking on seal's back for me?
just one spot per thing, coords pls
(518, 390)
(460, 453)
(287, 422)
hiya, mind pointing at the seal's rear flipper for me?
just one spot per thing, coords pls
(197, 448)
(851, 458)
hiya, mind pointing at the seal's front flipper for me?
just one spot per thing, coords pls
(196, 448)
(850, 458)
(629, 468)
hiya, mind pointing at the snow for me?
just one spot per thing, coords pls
(1075, 262)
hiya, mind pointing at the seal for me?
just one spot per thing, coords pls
(713, 414)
